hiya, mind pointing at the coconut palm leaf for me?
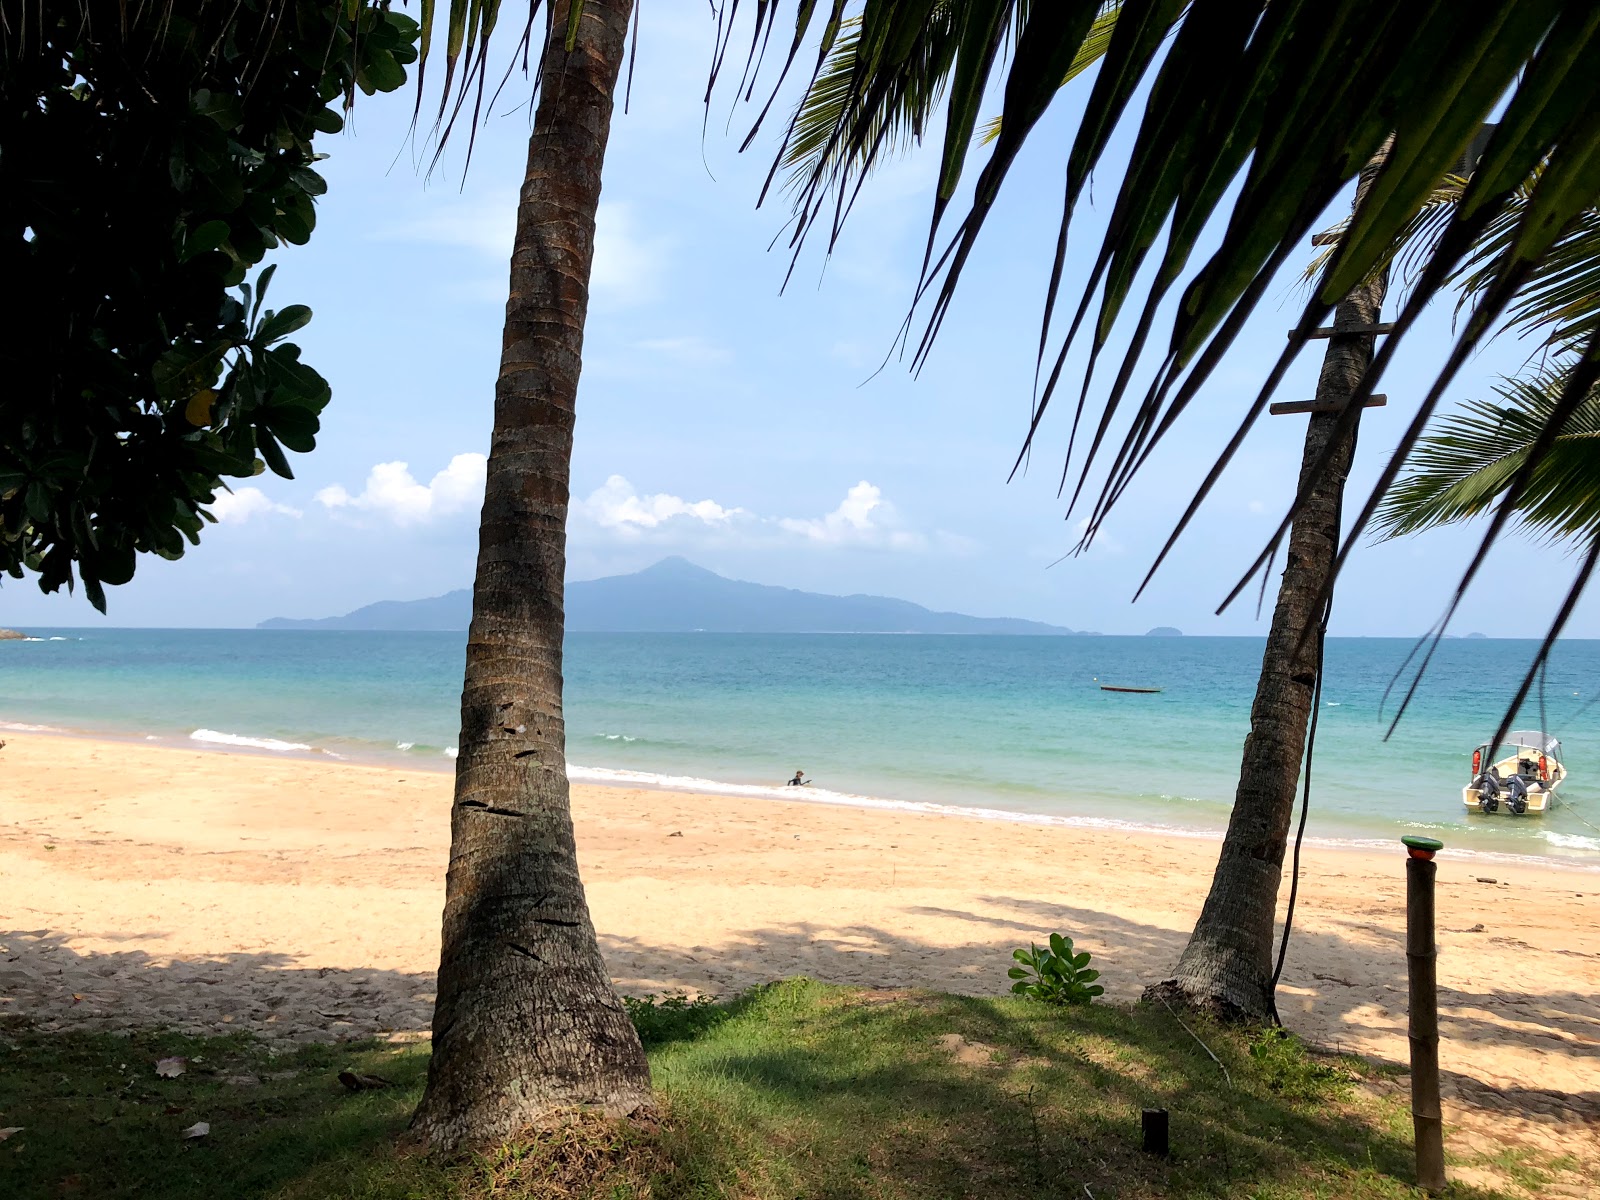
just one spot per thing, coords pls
(1466, 465)
(1284, 100)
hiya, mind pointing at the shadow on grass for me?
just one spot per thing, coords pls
(796, 1089)
(931, 1095)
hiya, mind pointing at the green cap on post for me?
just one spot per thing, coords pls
(1422, 847)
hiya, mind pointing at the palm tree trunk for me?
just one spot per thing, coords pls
(1226, 969)
(526, 1024)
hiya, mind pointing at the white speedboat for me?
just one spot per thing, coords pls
(1517, 776)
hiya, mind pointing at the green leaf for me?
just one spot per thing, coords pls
(1061, 946)
(205, 237)
(272, 455)
(279, 325)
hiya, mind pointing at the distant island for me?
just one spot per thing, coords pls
(11, 635)
(1477, 636)
(1164, 631)
(676, 596)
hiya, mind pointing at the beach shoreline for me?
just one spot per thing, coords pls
(631, 780)
(158, 886)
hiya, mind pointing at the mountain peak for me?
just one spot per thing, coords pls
(677, 567)
(676, 595)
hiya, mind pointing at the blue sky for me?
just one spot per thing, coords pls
(723, 421)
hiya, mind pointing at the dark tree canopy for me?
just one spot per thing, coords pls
(150, 157)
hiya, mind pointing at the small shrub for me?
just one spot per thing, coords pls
(673, 1018)
(1283, 1065)
(1055, 974)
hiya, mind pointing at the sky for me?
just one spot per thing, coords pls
(748, 428)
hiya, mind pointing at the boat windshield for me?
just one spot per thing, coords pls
(1533, 739)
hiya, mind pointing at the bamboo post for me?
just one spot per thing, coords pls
(1421, 968)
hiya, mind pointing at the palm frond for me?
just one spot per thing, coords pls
(833, 121)
(1092, 51)
(1258, 116)
(1464, 467)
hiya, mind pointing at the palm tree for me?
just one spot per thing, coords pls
(527, 1024)
(1306, 97)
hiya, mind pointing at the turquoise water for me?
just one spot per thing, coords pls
(1014, 725)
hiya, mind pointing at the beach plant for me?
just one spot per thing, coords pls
(674, 1017)
(1055, 973)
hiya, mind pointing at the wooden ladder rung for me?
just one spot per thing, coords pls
(1327, 331)
(1289, 407)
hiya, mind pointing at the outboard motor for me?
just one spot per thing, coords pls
(1489, 794)
(1517, 802)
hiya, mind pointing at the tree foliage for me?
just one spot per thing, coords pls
(1464, 464)
(151, 156)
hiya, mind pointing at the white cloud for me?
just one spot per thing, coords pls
(863, 517)
(617, 506)
(691, 351)
(629, 265)
(238, 506)
(392, 492)
(617, 511)
(483, 223)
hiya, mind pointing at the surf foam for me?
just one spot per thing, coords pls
(214, 737)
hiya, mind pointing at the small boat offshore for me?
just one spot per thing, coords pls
(1517, 776)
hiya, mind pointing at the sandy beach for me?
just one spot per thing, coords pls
(210, 891)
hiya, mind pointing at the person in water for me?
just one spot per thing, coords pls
(799, 780)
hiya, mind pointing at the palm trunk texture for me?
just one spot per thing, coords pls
(1226, 968)
(527, 1026)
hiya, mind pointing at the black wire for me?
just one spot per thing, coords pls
(1305, 811)
(1305, 797)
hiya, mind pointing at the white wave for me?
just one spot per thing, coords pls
(614, 737)
(61, 639)
(613, 777)
(451, 752)
(1572, 841)
(214, 738)
(404, 745)
(20, 727)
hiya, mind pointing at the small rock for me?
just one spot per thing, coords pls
(1485, 879)
(358, 1082)
(679, 833)
(170, 1068)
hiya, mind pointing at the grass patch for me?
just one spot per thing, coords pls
(793, 1090)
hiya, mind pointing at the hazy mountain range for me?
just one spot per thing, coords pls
(676, 596)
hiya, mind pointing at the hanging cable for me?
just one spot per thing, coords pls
(1305, 796)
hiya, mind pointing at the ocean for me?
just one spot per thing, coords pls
(1016, 727)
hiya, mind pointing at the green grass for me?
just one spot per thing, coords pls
(794, 1090)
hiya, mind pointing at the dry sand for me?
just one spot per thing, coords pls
(210, 891)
